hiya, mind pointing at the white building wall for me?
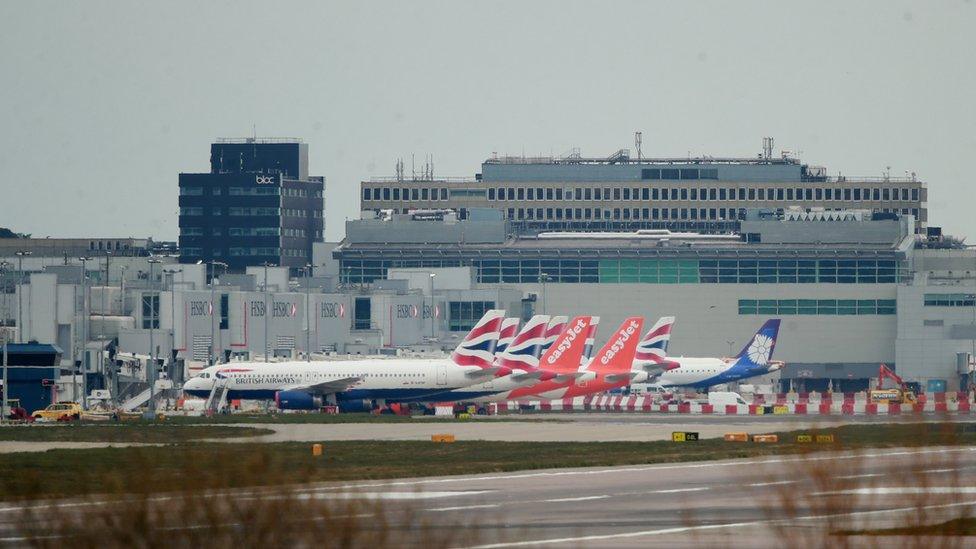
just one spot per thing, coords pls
(708, 316)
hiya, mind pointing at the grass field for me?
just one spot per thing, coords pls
(217, 465)
(136, 432)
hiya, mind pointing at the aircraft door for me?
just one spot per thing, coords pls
(442, 375)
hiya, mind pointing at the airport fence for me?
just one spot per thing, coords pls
(778, 404)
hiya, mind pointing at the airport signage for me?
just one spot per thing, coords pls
(684, 436)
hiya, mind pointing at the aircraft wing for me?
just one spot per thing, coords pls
(493, 371)
(328, 387)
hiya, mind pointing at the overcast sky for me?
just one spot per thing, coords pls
(104, 103)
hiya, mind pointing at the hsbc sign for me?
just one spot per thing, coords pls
(332, 310)
(283, 309)
(201, 308)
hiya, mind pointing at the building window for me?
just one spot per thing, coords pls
(463, 315)
(224, 311)
(830, 307)
(150, 311)
(491, 194)
(950, 300)
(191, 191)
(191, 210)
(650, 173)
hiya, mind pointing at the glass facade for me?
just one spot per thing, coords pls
(645, 271)
(781, 307)
(463, 315)
(950, 300)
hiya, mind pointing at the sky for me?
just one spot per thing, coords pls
(103, 104)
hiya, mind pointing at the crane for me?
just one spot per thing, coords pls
(902, 394)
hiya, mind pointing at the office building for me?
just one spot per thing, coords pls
(257, 205)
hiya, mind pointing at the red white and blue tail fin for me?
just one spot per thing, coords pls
(478, 347)
(565, 354)
(654, 347)
(507, 333)
(522, 352)
(590, 337)
(617, 355)
(556, 326)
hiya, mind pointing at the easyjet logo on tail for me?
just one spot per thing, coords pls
(623, 335)
(567, 340)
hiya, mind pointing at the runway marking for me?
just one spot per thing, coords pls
(638, 469)
(866, 475)
(682, 529)
(942, 470)
(774, 483)
(392, 495)
(583, 498)
(902, 490)
(678, 490)
(465, 507)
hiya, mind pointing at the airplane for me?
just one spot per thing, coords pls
(563, 360)
(556, 326)
(355, 384)
(755, 359)
(519, 365)
(510, 327)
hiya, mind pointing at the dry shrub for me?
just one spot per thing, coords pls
(200, 512)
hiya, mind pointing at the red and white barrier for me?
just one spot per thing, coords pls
(794, 404)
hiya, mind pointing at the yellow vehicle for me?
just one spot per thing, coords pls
(62, 411)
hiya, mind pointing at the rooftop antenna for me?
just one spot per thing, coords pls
(767, 148)
(638, 138)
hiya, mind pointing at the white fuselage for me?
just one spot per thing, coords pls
(379, 379)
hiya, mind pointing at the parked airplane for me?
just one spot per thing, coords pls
(563, 359)
(510, 327)
(356, 383)
(519, 362)
(556, 326)
(755, 359)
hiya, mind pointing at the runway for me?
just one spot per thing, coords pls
(762, 502)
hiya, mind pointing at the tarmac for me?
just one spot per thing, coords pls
(758, 502)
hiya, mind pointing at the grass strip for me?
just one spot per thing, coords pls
(217, 465)
(148, 433)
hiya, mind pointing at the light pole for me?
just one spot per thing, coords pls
(308, 317)
(267, 314)
(85, 316)
(153, 318)
(20, 292)
(543, 278)
(172, 302)
(432, 275)
(6, 338)
(213, 331)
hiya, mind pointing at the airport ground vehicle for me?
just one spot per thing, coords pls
(62, 411)
(723, 398)
(902, 394)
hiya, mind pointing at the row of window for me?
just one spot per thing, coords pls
(738, 194)
(663, 214)
(294, 252)
(253, 251)
(261, 190)
(647, 271)
(463, 315)
(817, 307)
(950, 300)
(295, 233)
(679, 173)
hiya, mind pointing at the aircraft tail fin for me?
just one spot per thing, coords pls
(556, 326)
(759, 351)
(617, 354)
(654, 346)
(506, 334)
(565, 354)
(522, 352)
(478, 347)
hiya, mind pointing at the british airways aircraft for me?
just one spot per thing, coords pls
(357, 383)
(755, 359)
(519, 364)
